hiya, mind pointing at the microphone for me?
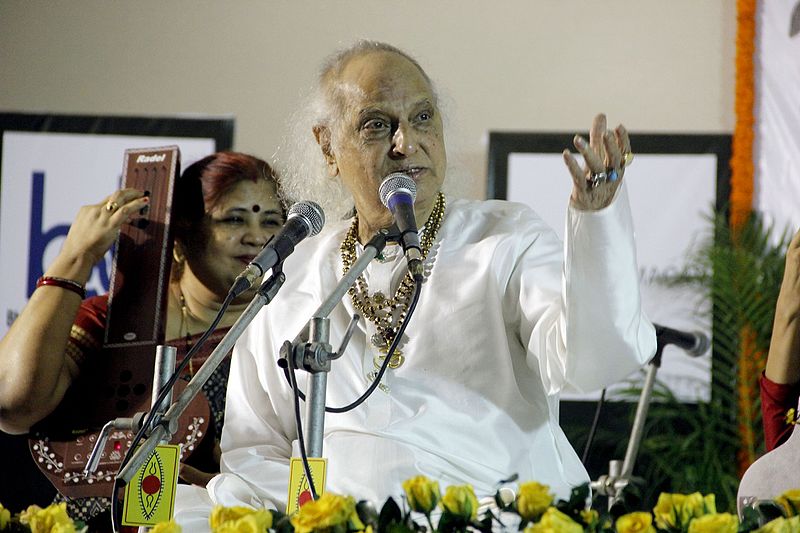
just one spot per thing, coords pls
(305, 219)
(693, 343)
(398, 192)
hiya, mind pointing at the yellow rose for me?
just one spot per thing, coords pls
(790, 501)
(554, 521)
(328, 511)
(635, 523)
(781, 525)
(590, 517)
(533, 500)
(5, 516)
(422, 493)
(257, 522)
(715, 523)
(167, 527)
(227, 516)
(52, 519)
(460, 500)
(667, 509)
(695, 505)
(677, 510)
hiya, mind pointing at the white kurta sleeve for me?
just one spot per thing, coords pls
(595, 333)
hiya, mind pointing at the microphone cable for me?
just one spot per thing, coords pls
(299, 395)
(153, 409)
(376, 382)
(299, 423)
(593, 428)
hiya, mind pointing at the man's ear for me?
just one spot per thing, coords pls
(323, 136)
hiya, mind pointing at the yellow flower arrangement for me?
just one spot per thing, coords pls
(423, 494)
(533, 500)
(638, 522)
(326, 513)
(460, 500)
(533, 510)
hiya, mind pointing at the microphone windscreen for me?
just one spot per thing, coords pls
(311, 213)
(395, 182)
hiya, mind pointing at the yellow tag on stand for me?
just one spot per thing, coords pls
(150, 496)
(299, 489)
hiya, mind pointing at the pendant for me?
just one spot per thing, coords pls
(380, 342)
(395, 362)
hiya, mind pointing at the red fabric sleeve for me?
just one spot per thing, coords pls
(776, 400)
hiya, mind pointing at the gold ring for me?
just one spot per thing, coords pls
(112, 206)
(627, 159)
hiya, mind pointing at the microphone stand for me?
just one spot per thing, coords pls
(164, 366)
(167, 425)
(620, 473)
(314, 354)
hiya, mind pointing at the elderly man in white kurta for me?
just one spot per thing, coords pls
(508, 317)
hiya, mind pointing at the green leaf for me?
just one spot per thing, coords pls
(390, 514)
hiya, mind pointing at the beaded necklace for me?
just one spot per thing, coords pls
(377, 308)
(183, 330)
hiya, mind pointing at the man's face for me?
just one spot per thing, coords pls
(388, 122)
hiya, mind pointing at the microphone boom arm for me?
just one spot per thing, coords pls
(168, 424)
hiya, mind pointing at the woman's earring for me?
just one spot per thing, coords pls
(179, 262)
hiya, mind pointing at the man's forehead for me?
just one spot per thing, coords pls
(382, 75)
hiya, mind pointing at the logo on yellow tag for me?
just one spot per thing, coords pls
(150, 496)
(299, 489)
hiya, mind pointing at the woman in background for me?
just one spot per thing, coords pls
(226, 208)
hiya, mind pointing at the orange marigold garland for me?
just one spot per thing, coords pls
(751, 362)
(742, 149)
(751, 359)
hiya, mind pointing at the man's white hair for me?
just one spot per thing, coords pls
(301, 165)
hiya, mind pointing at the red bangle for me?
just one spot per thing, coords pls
(64, 283)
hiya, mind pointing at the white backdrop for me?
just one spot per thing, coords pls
(77, 169)
(777, 146)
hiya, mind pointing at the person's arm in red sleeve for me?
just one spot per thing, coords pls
(780, 383)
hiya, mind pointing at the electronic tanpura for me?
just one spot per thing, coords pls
(118, 383)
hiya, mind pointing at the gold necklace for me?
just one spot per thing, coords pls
(183, 330)
(377, 308)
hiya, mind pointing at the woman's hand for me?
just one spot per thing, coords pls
(194, 476)
(605, 157)
(96, 226)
